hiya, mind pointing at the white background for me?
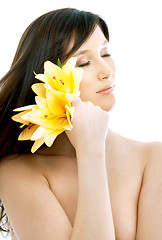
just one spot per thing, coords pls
(135, 43)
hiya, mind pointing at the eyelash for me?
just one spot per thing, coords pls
(87, 63)
(84, 64)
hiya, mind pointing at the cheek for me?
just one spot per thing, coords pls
(86, 89)
(112, 65)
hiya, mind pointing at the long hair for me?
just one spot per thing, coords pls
(46, 38)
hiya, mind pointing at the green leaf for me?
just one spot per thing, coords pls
(59, 63)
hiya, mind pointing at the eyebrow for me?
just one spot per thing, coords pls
(80, 53)
(85, 51)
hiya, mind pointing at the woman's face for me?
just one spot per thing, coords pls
(98, 71)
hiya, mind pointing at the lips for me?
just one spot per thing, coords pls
(107, 89)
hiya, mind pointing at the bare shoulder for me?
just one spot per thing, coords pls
(154, 151)
(153, 169)
(14, 166)
(10, 165)
(18, 171)
(31, 206)
(129, 150)
(147, 153)
(137, 157)
(150, 207)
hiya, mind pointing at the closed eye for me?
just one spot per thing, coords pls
(106, 55)
(84, 64)
(87, 63)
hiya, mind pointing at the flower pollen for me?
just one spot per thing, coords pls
(45, 116)
(54, 77)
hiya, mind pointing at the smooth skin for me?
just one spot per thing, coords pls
(92, 183)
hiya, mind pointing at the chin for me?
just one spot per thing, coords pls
(107, 105)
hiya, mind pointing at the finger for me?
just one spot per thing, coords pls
(76, 101)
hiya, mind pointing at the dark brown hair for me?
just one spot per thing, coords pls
(47, 38)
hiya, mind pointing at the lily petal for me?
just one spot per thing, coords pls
(39, 133)
(70, 112)
(39, 89)
(70, 97)
(18, 117)
(67, 125)
(27, 133)
(50, 138)
(46, 121)
(37, 144)
(24, 108)
(47, 80)
(41, 102)
(42, 77)
(56, 103)
(51, 69)
(77, 75)
(70, 65)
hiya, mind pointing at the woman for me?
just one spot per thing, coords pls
(92, 183)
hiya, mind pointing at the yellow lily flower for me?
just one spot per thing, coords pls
(65, 80)
(23, 117)
(53, 113)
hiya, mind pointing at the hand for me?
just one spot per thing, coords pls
(90, 124)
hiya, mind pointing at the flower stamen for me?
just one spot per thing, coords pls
(30, 125)
(62, 82)
(22, 126)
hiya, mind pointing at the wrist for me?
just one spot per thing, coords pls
(92, 149)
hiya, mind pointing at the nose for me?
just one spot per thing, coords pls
(104, 71)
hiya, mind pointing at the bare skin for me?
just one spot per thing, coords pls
(59, 175)
(92, 183)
